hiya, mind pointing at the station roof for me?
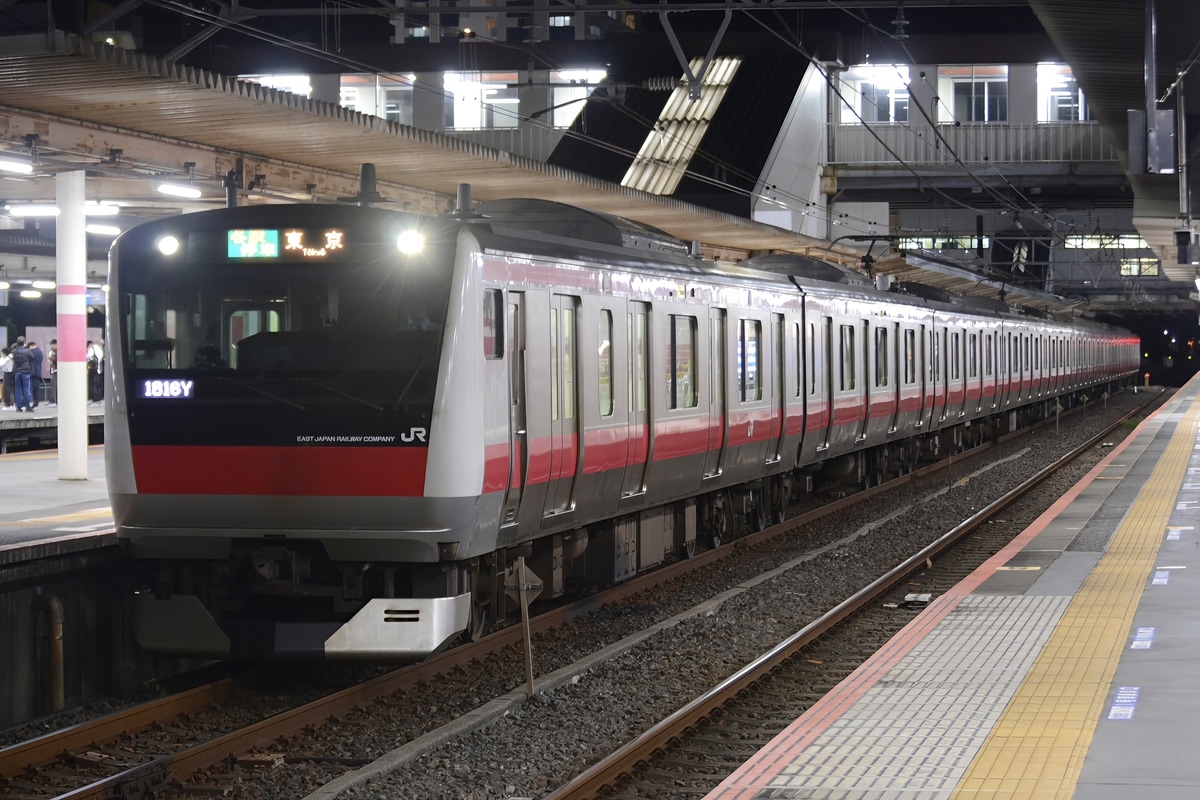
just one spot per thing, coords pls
(130, 119)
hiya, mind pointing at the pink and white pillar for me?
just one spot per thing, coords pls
(72, 327)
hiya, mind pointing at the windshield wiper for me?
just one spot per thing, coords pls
(411, 380)
(262, 391)
(338, 391)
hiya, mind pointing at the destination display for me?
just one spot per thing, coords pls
(273, 243)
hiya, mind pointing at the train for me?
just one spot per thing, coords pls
(342, 431)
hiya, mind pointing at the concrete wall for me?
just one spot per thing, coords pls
(94, 587)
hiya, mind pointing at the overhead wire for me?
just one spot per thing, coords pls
(801, 204)
(270, 38)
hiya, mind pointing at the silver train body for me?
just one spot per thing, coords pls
(331, 431)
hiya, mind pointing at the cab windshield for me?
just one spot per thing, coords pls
(300, 334)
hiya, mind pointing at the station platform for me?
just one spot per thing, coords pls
(39, 425)
(1063, 668)
(40, 511)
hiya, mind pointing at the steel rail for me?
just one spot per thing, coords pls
(150, 776)
(46, 749)
(601, 777)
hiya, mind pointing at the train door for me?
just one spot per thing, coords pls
(564, 403)
(941, 370)
(518, 469)
(826, 373)
(717, 417)
(862, 380)
(892, 350)
(925, 415)
(639, 400)
(779, 391)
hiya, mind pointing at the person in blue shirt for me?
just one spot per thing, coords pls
(22, 375)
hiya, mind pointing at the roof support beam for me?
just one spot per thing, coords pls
(694, 82)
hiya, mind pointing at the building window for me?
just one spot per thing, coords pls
(571, 89)
(1060, 98)
(1129, 241)
(481, 100)
(877, 94)
(978, 93)
(1139, 267)
(946, 241)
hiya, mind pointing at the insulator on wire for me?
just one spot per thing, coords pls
(660, 84)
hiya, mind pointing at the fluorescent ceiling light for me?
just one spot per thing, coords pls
(45, 285)
(180, 190)
(30, 293)
(13, 165)
(5, 285)
(33, 210)
(103, 230)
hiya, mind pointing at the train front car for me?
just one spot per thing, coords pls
(274, 373)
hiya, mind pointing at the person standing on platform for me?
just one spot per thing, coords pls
(22, 373)
(95, 365)
(37, 359)
(52, 387)
(6, 367)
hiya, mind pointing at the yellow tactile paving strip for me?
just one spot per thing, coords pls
(1037, 748)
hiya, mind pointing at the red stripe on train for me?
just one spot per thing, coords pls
(289, 471)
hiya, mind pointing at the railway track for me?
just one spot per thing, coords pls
(691, 751)
(104, 759)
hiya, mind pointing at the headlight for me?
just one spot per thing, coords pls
(410, 242)
(168, 245)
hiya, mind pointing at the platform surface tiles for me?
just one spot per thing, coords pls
(1066, 667)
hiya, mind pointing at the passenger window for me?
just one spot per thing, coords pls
(849, 358)
(882, 365)
(955, 357)
(910, 357)
(681, 380)
(638, 343)
(749, 386)
(493, 329)
(604, 363)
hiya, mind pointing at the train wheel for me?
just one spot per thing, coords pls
(721, 522)
(757, 516)
(781, 497)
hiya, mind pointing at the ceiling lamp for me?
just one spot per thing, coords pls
(185, 190)
(15, 165)
(43, 285)
(103, 230)
(180, 190)
(32, 210)
(30, 294)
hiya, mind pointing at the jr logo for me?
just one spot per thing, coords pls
(413, 435)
